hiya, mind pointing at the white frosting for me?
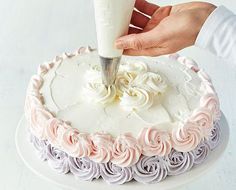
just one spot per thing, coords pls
(149, 94)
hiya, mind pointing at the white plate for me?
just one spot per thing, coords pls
(29, 157)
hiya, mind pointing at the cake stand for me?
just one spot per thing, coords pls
(27, 153)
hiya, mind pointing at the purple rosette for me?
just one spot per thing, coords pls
(40, 146)
(201, 152)
(179, 162)
(114, 174)
(150, 169)
(58, 160)
(84, 168)
(215, 136)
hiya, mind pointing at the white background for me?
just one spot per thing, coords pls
(33, 31)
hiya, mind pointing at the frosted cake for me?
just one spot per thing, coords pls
(159, 119)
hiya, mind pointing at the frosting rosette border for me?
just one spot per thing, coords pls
(45, 126)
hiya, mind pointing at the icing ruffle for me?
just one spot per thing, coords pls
(58, 160)
(214, 138)
(114, 174)
(155, 142)
(84, 169)
(179, 162)
(40, 146)
(150, 169)
(126, 151)
(201, 152)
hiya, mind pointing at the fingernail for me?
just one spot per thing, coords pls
(119, 44)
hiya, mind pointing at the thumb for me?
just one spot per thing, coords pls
(136, 41)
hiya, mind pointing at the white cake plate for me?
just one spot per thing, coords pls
(29, 157)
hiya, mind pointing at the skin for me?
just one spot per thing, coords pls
(163, 30)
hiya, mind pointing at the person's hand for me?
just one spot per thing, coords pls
(163, 30)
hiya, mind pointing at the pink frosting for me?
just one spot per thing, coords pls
(191, 64)
(102, 147)
(55, 130)
(155, 142)
(185, 138)
(211, 102)
(203, 118)
(76, 144)
(126, 150)
(44, 68)
(38, 121)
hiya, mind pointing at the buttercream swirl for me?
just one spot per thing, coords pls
(185, 138)
(150, 169)
(151, 82)
(134, 67)
(155, 142)
(84, 169)
(211, 102)
(57, 159)
(126, 151)
(76, 144)
(123, 80)
(40, 146)
(136, 99)
(188, 62)
(98, 93)
(201, 152)
(55, 131)
(102, 144)
(179, 162)
(214, 138)
(114, 174)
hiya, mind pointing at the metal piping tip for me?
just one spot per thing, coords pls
(110, 68)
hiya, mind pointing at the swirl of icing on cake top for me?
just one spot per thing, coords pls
(185, 138)
(55, 130)
(102, 145)
(203, 118)
(98, 93)
(114, 174)
(201, 152)
(76, 144)
(211, 102)
(126, 150)
(150, 170)
(123, 80)
(155, 142)
(136, 99)
(134, 67)
(152, 82)
(84, 169)
(179, 162)
(58, 159)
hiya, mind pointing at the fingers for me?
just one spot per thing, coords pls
(146, 7)
(133, 30)
(139, 20)
(157, 51)
(157, 17)
(136, 41)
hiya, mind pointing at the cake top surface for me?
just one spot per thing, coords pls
(148, 92)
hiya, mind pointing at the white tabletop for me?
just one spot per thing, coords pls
(35, 31)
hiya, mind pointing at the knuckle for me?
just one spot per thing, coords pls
(136, 42)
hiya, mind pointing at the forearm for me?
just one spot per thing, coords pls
(218, 34)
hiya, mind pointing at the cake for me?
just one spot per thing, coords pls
(159, 119)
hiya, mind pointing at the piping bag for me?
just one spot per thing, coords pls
(112, 18)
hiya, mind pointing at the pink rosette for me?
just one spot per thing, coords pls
(211, 102)
(76, 144)
(188, 62)
(102, 144)
(126, 151)
(155, 142)
(38, 122)
(203, 118)
(55, 131)
(186, 138)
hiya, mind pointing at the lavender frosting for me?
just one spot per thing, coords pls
(58, 160)
(147, 170)
(114, 174)
(150, 169)
(84, 168)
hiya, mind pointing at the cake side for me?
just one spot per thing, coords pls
(125, 149)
